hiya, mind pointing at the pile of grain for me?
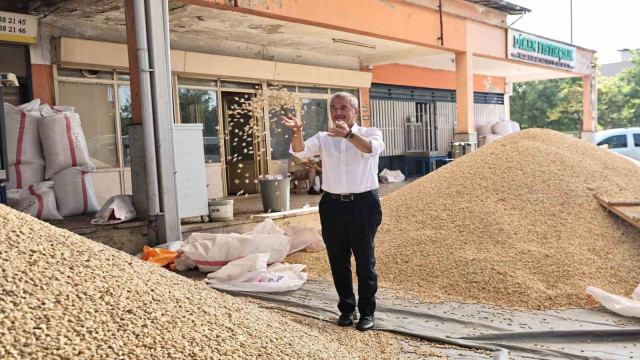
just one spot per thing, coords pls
(513, 223)
(63, 296)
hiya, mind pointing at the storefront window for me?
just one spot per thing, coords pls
(201, 107)
(238, 85)
(85, 73)
(126, 118)
(95, 103)
(316, 118)
(313, 90)
(198, 82)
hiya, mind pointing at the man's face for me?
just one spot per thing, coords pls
(341, 110)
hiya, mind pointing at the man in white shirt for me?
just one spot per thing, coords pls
(350, 207)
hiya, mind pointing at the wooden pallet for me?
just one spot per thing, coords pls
(629, 210)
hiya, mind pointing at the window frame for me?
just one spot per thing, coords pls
(624, 136)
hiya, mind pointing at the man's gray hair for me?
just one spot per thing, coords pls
(353, 101)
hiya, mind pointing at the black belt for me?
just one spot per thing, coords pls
(350, 197)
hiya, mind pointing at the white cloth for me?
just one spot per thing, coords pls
(345, 169)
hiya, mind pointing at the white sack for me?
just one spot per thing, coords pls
(304, 238)
(21, 176)
(117, 209)
(247, 269)
(515, 126)
(23, 139)
(485, 129)
(252, 274)
(618, 304)
(488, 139)
(37, 200)
(210, 252)
(502, 128)
(74, 191)
(63, 140)
(267, 227)
(391, 176)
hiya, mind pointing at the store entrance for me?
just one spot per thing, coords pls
(240, 145)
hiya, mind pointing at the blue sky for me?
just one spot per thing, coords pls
(604, 26)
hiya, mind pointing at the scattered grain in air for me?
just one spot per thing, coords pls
(237, 181)
(240, 165)
(246, 181)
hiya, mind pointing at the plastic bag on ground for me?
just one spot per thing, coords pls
(210, 252)
(63, 140)
(23, 139)
(391, 176)
(267, 227)
(74, 191)
(251, 274)
(618, 304)
(305, 238)
(37, 200)
(157, 256)
(117, 209)
(249, 268)
(21, 176)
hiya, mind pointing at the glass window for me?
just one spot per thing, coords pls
(313, 90)
(95, 103)
(290, 88)
(238, 85)
(615, 142)
(636, 139)
(315, 116)
(123, 76)
(201, 107)
(85, 73)
(126, 118)
(198, 82)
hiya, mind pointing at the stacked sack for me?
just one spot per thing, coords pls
(24, 153)
(67, 160)
(490, 132)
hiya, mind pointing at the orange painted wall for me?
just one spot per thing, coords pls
(407, 75)
(42, 82)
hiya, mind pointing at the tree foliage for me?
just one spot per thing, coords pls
(557, 104)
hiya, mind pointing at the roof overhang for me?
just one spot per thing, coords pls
(504, 6)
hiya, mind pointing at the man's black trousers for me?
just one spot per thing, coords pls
(350, 226)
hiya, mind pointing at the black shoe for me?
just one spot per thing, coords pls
(312, 191)
(366, 323)
(347, 319)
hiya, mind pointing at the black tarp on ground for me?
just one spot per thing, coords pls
(509, 334)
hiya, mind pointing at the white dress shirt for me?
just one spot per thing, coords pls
(345, 169)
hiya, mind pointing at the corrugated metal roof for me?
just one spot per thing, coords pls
(504, 6)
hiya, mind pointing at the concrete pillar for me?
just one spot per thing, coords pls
(465, 125)
(508, 90)
(589, 110)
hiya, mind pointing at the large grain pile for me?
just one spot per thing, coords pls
(65, 297)
(513, 223)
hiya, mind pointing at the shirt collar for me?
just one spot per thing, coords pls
(355, 127)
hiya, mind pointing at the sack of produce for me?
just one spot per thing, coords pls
(37, 200)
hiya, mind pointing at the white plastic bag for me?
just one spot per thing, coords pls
(22, 176)
(267, 227)
(618, 304)
(304, 238)
(502, 128)
(117, 209)
(210, 252)
(248, 268)
(23, 139)
(74, 191)
(63, 140)
(252, 274)
(391, 176)
(37, 200)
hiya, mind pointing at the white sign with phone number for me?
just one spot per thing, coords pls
(19, 28)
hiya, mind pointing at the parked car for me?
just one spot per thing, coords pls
(622, 141)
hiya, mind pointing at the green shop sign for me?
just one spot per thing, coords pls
(541, 51)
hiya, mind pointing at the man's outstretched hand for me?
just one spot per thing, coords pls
(340, 130)
(292, 123)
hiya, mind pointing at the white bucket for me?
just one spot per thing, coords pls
(220, 210)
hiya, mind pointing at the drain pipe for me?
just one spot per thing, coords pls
(142, 51)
